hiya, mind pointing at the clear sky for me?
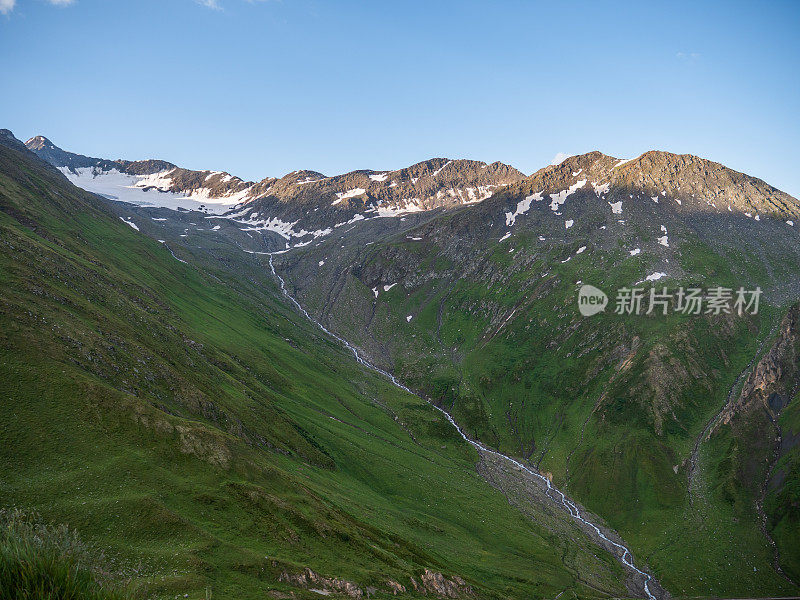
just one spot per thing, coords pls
(261, 88)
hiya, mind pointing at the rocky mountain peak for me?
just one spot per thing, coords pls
(39, 142)
(303, 177)
(690, 183)
(703, 185)
(49, 152)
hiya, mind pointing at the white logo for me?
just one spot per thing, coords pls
(591, 300)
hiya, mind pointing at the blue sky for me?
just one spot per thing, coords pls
(262, 88)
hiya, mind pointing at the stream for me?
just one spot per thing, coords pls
(553, 493)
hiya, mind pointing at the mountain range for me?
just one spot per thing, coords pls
(380, 383)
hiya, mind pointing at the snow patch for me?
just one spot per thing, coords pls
(348, 194)
(131, 223)
(405, 206)
(159, 180)
(151, 190)
(600, 189)
(561, 197)
(356, 217)
(523, 206)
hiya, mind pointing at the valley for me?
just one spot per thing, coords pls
(378, 383)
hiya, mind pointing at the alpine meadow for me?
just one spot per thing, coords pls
(451, 378)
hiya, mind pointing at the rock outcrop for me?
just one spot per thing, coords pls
(771, 384)
(311, 580)
(429, 582)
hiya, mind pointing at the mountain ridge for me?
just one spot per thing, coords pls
(285, 187)
(599, 166)
(302, 207)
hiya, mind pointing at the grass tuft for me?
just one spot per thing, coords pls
(45, 562)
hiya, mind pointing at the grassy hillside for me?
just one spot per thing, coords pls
(213, 442)
(610, 405)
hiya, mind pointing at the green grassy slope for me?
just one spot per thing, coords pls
(611, 405)
(782, 503)
(212, 440)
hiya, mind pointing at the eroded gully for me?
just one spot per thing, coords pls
(556, 495)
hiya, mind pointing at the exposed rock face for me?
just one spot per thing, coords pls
(396, 587)
(438, 584)
(430, 582)
(49, 152)
(757, 439)
(309, 579)
(703, 184)
(771, 384)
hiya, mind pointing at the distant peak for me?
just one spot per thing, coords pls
(39, 142)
